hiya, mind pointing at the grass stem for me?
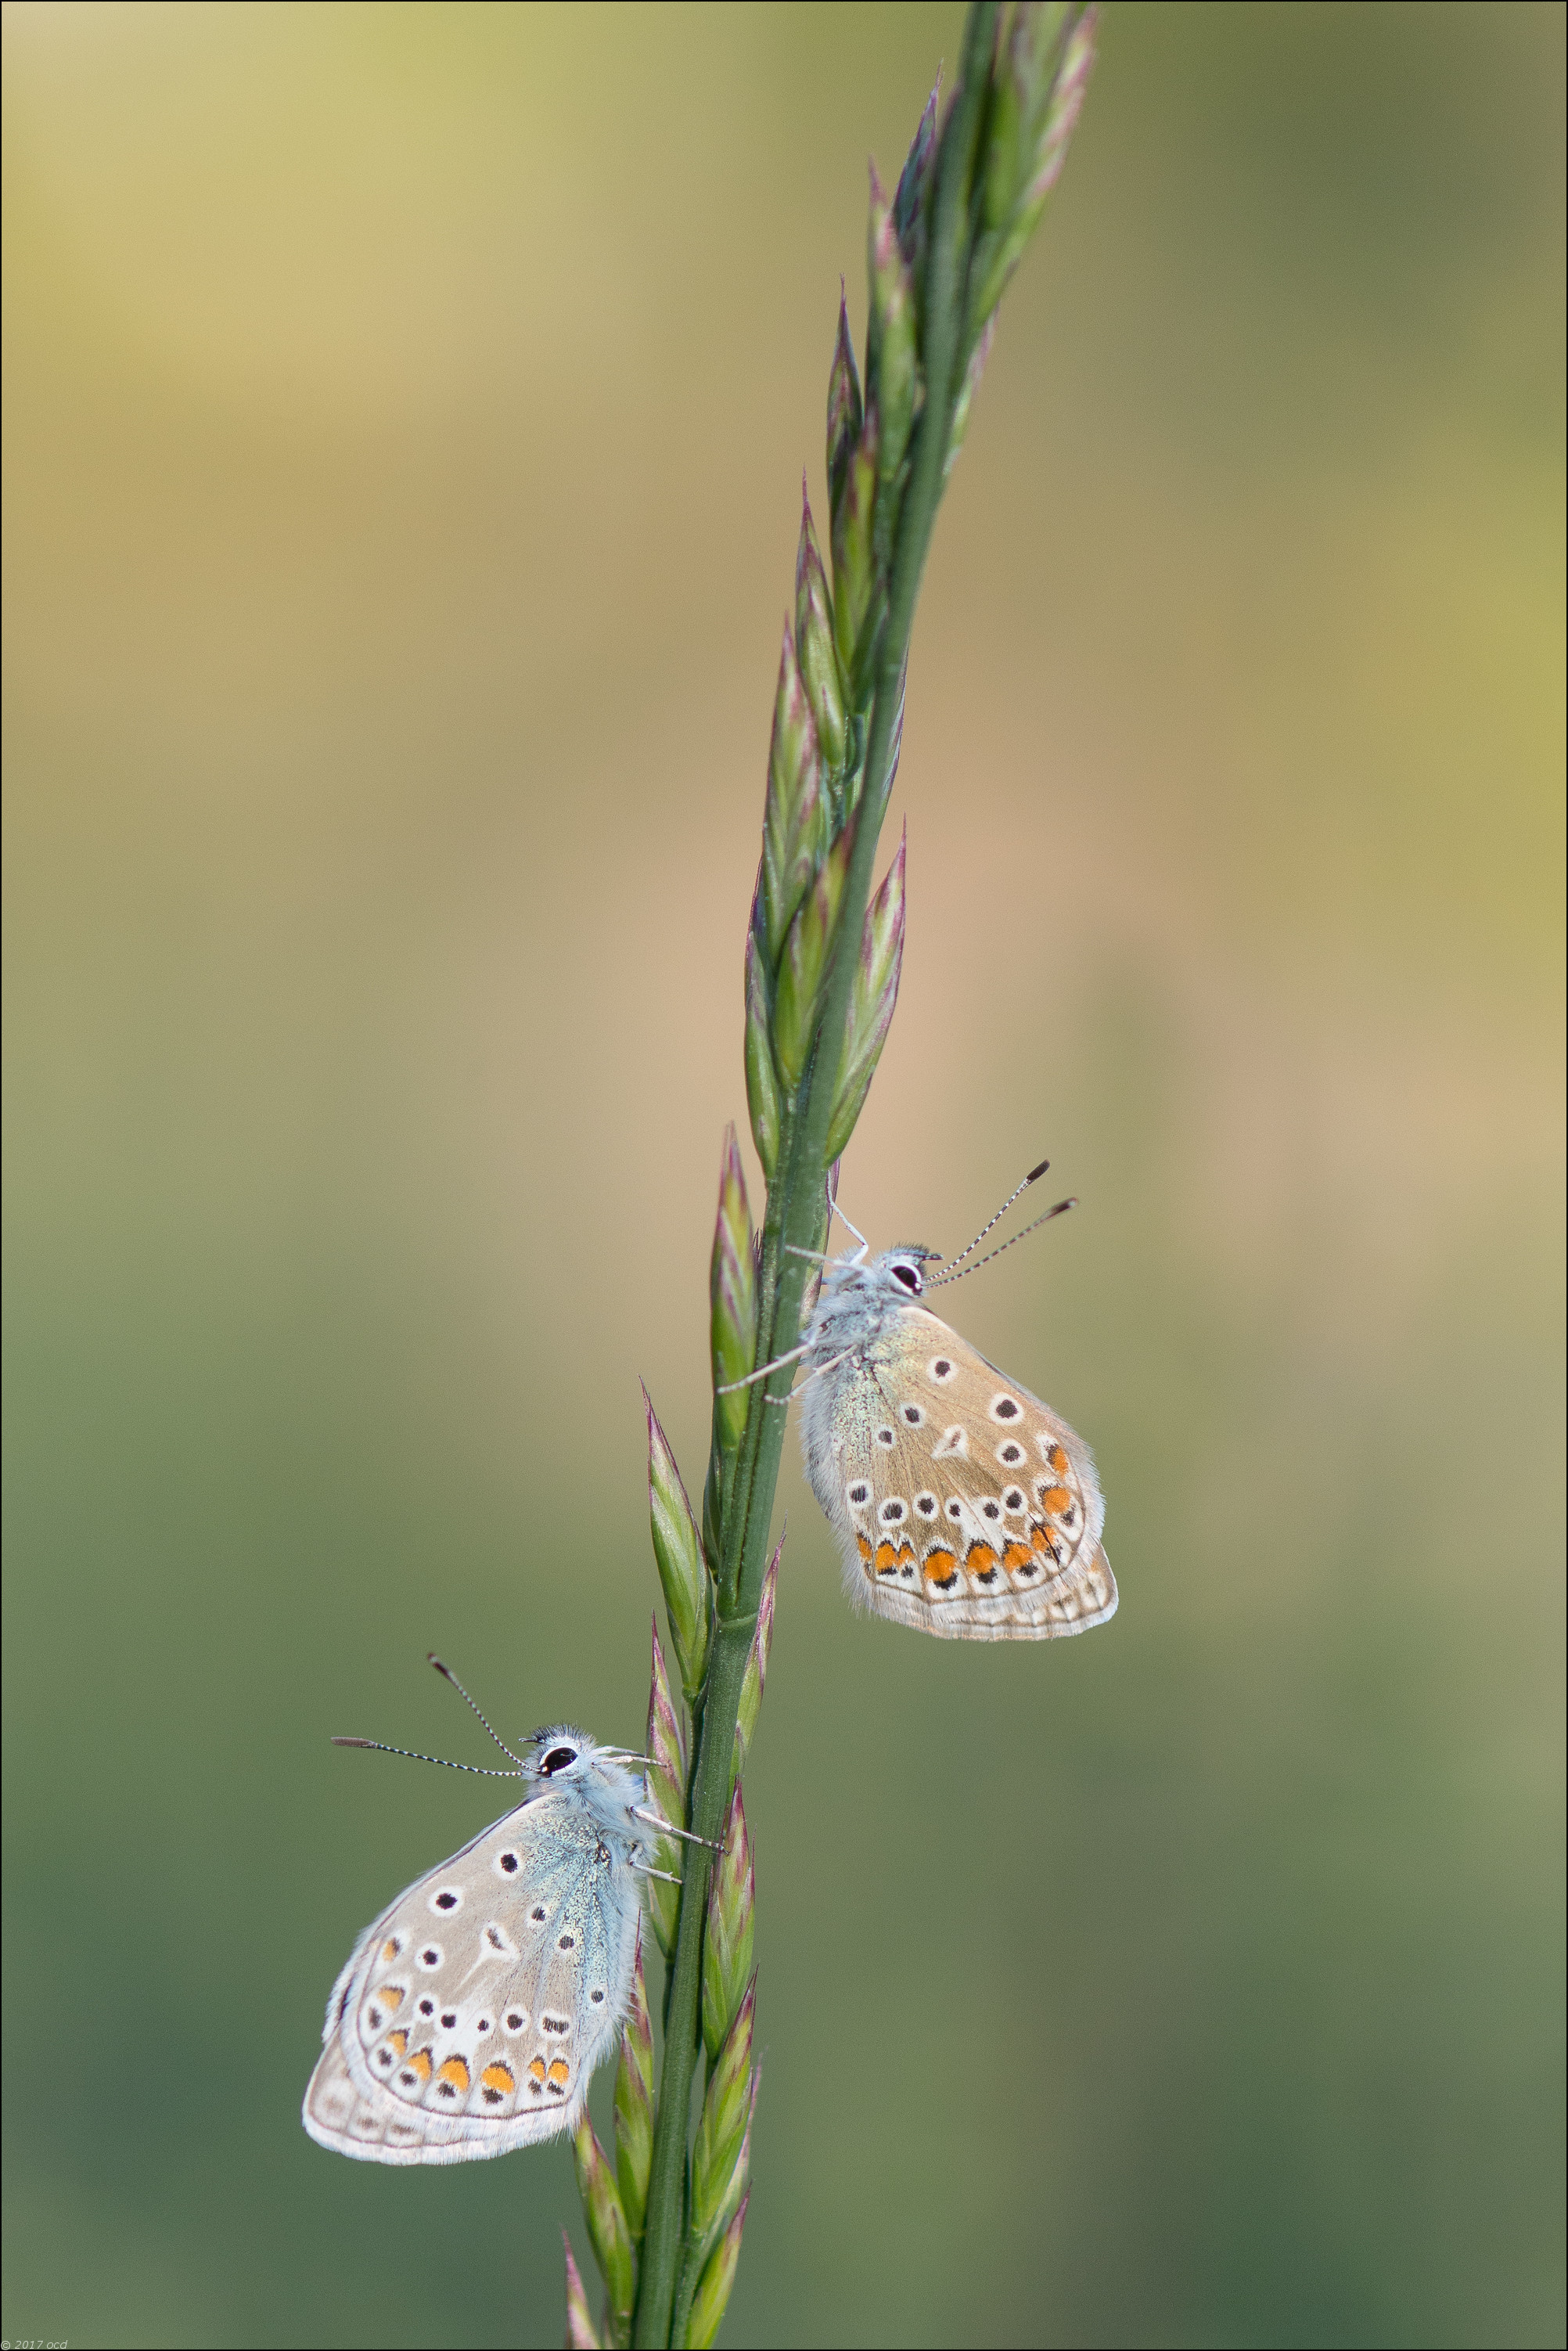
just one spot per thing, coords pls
(797, 1217)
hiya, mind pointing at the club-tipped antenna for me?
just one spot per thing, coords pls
(447, 1674)
(1033, 1176)
(481, 1771)
(955, 1275)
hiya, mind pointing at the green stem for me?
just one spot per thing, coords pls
(796, 1213)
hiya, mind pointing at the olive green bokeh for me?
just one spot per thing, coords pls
(405, 407)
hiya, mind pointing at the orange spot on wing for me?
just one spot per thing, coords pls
(389, 1949)
(865, 1546)
(397, 2042)
(905, 1554)
(455, 2071)
(1018, 1554)
(1058, 1460)
(941, 1569)
(390, 1997)
(537, 2068)
(981, 1560)
(420, 2064)
(498, 2078)
(561, 2072)
(886, 1558)
(1056, 1499)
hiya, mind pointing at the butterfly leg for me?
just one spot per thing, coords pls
(665, 1828)
(728, 1387)
(830, 1366)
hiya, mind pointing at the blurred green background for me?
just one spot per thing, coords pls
(405, 410)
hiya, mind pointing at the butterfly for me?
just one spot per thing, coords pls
(962, 1504)
(474, 2011)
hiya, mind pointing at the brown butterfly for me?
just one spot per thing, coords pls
(962, 1503)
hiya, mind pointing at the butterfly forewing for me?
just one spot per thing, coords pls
(472, 2014)
(963, 1504)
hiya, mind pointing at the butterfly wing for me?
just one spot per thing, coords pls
(961, 1502)
(472, 2014)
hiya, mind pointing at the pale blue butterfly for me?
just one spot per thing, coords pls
(472, 2014)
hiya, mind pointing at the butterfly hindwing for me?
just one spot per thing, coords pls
(963, 1505)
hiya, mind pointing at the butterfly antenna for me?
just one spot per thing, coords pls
(481, 1771)
(1033, 1176)
(447, 1674)
(1061, 1208)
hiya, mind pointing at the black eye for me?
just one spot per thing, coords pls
(910, 1277)
(558, 1759)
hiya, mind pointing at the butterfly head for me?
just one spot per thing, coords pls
(902, 1266)
(892, 1277)
(558, 1752)
(605, 1778)
(861, 1293)
(895, 1272)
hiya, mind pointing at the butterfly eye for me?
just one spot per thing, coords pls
(909, 1275)
(558, 1759)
